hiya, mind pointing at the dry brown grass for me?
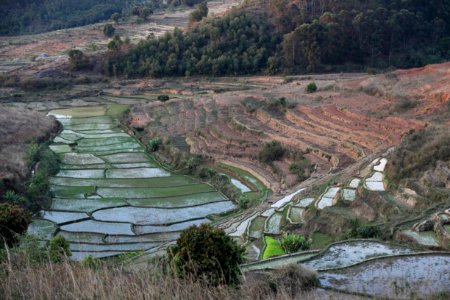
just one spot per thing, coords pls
(18, 127)
(69, 280)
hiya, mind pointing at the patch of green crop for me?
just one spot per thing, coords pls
(320, 240)
(272, 248)
(116, 110)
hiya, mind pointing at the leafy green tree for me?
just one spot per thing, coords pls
(199, 13)
(271, 151)
(115, 17)
(115, 44)
(109, 30)
(78, 60)
(163, 98)
(155, 143)
(14, 221)
(207, 253)
(311, 87)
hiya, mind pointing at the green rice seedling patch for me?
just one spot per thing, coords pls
(137, 173)
(99, 227)
(154, 192)
(86, 205)
(84, 237)
(111, 247)
(161, 216)
(72, 191)
(178, 201)
(162, 182)
(272, 248)
(43, 229)
(104, 141)
(74, 135)
(154, 237)
(80, 159)
(112, 147)
(119, 151)
(60, 217)
(91, 126)
(90, 173)
(256, 228)
(127, 158)
(97, 132)
(89, 120)
(79, 112)
(115, 109)
(320, 240)
(133, 165)
(83, 167)
(60, 148)
(143, 229)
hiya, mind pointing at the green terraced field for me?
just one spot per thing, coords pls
(110, 197)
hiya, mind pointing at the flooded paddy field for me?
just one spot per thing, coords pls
(111, 197)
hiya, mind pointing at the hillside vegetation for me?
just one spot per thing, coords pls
(33, 16)
(297, 36)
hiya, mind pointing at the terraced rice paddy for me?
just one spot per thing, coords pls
(427, 274)
(111, 197)
(345, 254)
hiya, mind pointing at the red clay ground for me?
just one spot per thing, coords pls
(349, 117)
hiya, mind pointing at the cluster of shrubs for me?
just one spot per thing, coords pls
(418, 152)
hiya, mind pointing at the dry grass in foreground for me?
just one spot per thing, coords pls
(69, 280)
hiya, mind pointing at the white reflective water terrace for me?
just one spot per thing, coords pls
(110, 197)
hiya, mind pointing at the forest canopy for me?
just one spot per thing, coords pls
(299, 36)
(34, 16)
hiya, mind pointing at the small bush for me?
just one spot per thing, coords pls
(155, 143)
(358, 230)
(14, 221)
(272, 151)
(58, 249)
(13, 198)
(207, 253)
(292, 242)
(405, 105)
(109, 30)
(163, 98)
(32, 153)
(311, 88)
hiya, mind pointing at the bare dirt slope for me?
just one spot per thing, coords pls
(19, 127)
(349, 117)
